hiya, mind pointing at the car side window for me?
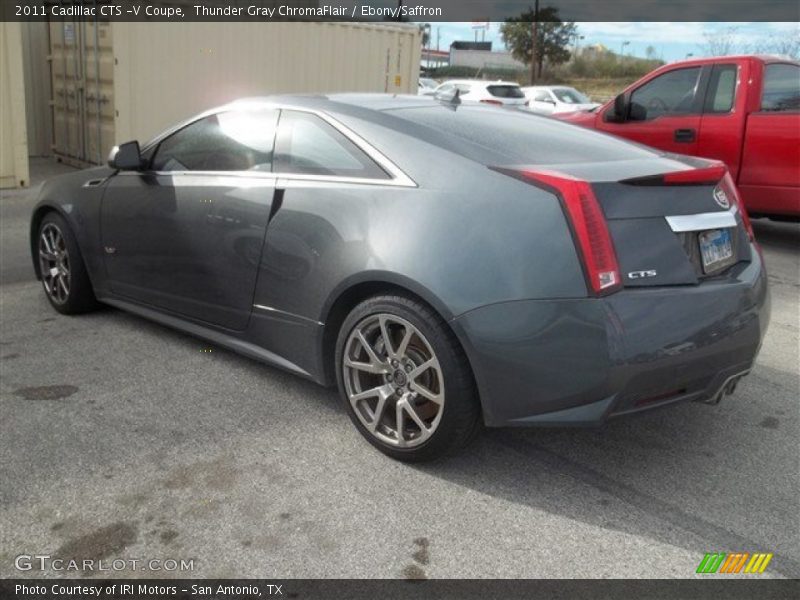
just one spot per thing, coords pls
(543, 96)
(306, 144)
(672, 93)
(235, 140)
(781, 88)
(721, 89)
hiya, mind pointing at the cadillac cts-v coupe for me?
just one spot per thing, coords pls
(446, 265)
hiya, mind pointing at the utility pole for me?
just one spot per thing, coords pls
(534, 42)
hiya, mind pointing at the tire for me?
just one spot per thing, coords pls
(64, 277)
(421, 388)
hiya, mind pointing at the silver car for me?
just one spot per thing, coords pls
(445, 265)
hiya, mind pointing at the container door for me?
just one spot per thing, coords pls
(66, 70)
(82, 68)
(98, 84)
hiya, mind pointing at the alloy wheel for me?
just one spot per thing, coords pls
(393, 380)
(54, 263)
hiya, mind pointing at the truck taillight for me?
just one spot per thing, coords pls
(731, 192)
(588, 224)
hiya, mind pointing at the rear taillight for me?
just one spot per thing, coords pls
(729, 188)
(495, 102)
(588, 224)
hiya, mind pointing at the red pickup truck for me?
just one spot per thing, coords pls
(742, 110)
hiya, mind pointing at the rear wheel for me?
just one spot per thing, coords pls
(64, 278)
(405, 380)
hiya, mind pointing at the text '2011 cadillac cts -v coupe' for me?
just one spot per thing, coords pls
(445, 265)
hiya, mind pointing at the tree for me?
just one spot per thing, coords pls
(425, 30)
(650, 52)
(782, 45)
(553, 35)
(719, 43)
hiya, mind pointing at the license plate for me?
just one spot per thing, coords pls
(716, 249)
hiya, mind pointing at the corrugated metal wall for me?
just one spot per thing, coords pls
(13, 137)
(166, 71)
(36, 47)
(146, 76)
(82, 68)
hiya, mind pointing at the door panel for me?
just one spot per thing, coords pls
(670, 133)
(770, 170)
(665, 112)
(188, 243)
(723, 122)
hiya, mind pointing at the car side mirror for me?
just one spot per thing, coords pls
(126, 157)
(622, 108)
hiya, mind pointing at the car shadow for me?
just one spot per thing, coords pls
(774, 234)
(660, 475)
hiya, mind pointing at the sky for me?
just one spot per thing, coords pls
(672, 41)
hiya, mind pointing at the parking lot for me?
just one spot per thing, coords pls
(124, 439)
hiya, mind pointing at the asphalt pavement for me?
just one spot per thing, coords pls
(123, 439)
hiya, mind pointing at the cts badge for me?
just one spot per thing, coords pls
(642, 274)
(721, 197)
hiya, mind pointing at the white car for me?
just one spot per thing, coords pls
(551, 99)
(427, 86)
(501, 93)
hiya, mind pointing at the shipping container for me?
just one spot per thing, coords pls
(13, 136)
(36, 47)
(112, 82)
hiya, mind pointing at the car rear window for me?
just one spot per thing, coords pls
(517, 137)
(781, 88)
(505, 91)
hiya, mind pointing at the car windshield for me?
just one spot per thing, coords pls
(570, 96)
(427, 83)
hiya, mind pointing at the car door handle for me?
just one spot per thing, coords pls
(277, 202)
(685, 135)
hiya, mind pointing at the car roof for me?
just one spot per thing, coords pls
(329, 102)
(765, 58)
(549, 87)
(481, 81)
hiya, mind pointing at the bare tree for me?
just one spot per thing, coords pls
(782, 45)
(719, 43)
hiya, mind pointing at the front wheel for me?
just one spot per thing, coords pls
(405, 380)
(64, 277)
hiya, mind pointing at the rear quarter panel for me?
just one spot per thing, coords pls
(466, 237)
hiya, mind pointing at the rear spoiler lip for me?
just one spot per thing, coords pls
(710, 175)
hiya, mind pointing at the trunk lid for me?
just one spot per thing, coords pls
(662, 233)
(672, 221)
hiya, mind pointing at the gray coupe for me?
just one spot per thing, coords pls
(446, 265)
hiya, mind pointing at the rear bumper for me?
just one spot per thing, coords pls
(582, 361)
